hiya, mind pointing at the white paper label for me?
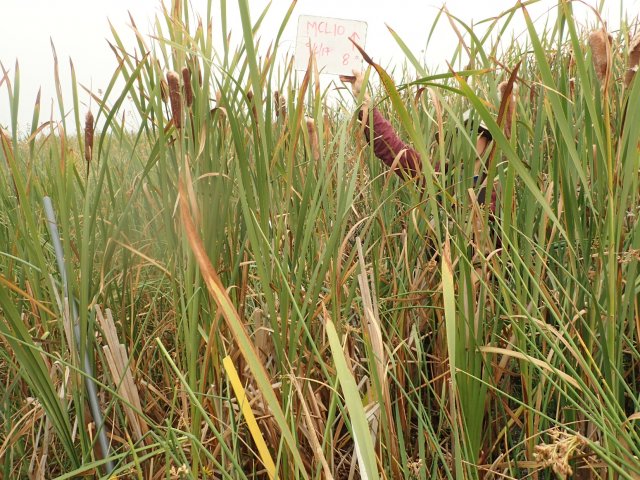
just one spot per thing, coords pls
(328, 39)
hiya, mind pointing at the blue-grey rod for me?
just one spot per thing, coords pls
(89, 381)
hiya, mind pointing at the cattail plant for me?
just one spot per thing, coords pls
(88, 138)
(431, 274)
(511, 106)
(572, 87)
(313, 138)
(188, 91)
(634, 59)
(173, 79)
(600, 42)
(280, 105)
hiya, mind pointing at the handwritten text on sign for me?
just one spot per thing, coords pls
(328, 39)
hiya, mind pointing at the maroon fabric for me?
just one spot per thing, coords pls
(387, 145)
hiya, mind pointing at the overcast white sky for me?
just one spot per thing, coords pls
(80, 30)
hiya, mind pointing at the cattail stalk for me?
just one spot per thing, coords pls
(173, 79)
(188, 91)
(88, 138)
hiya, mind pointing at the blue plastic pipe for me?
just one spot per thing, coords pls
(89, 381)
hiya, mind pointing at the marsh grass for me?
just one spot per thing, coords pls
(376, 330)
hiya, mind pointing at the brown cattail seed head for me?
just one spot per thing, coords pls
(634, 59)
(572, 87)
(600, 42)
(511, 106)
(313, 138)
(174, 97)
(88, 138)
(280, 105)
(188, 91)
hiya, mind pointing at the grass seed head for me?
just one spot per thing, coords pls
(188, 91)
(634, 59)
(88, 137)
(175, 98)
(600, 42)
(558, 454)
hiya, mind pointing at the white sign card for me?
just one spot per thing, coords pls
(329, 40)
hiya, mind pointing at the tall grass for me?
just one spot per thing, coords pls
(232, 250)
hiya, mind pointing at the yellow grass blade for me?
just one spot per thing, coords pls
(243, 401)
